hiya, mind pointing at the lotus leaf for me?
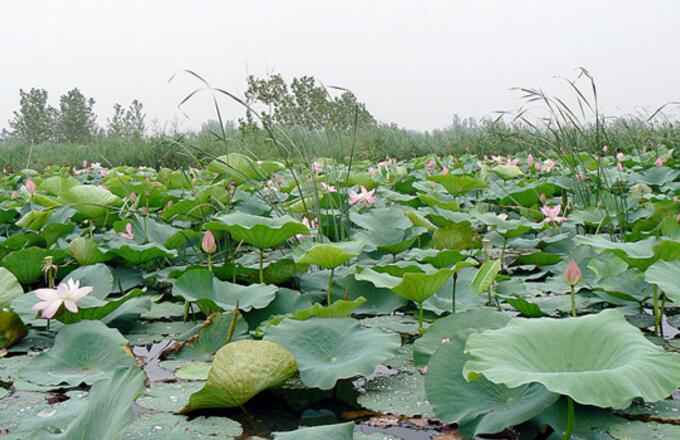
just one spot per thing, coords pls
(339, 431)
(329, 255)
(329, 349)
(261, 232)
(84, 352)
(596, 360)
(241, 370)
(9, 287)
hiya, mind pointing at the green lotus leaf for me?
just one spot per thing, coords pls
(639, 254)
(97, 276)
(479, 406)
(136, 254)
(456, 236)
(507, 171)
(596, 360)
(261, 232)
(339, 431)
(401, 394)
(106, 414)
(86, 251)
(486, 275)
(84, 352)
(106, 311)
(34, 220)
(26, 264)
(526, 195)
(202, 287)
(459, 185)
(665, 274)
(235, 166)
(421, 221)
(165, 426)
(590, 423)
(211, 335)
(90, 200)
(630, 430)
(329, 349)
(241, 370)
(12, 328)
(378, 219)
(328, 255)
(455, 327)
(339, 309)
(414, 286)
(9, 287)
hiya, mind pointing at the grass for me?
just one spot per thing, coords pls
(628, 134)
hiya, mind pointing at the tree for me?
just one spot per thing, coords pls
(304, 103)
(76, 121)
(128, 123)
(35, 120)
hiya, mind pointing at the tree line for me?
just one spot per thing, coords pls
(270, 101)
(73, 121)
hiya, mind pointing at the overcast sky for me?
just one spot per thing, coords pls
(416, 63)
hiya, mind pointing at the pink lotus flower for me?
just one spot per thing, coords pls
(537, 166)
(68, 294)
(446, 340)
(423, 370)
(30, 186)
(133, 197)
(552, 215)
(85, 164)
(497, 159)
(316, 167)
(445, 170)
(512, 162)
(208, 243)
(530, 160)
(128, 234)
(503, 216)
(373, 171)
(573, 273)
(430, 166)
(619, 165)
(548, 165)
(329, 188)
(660, 161)
(619, 156)
(14, 195)
(365, 197)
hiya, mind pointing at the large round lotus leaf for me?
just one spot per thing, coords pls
(415, 286)
(455, 327)
(329, 349)
(9, 287)
(200, 285)
(86, 251)
(479, 406)
(665, 274)
(459, 185)
(240, 370)
(339, 431)
(26, 264)
(261, 232)
(378, 219)
(136, 254)
(209, 337)
(168, 396)
(402, 394)
(165, 426)
(236, 166)
(328, 255)
(90, 200)
(84, 352)
(630, 430)
(597, 359)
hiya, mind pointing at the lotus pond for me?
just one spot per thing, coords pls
(437, 298)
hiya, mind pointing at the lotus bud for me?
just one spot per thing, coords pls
(30, 186)
(133, 197)
(573, 273)
(208, 244)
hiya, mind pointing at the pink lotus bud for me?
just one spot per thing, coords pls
(208, 243)
(619, 156)
(573, 273)
(30, 186)
(133, 197)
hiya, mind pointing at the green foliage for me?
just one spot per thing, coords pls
(76, 121)
(35, 120)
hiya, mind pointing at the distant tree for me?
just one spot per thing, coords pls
(35, 120)
(76, 121)
(304, 103)
(128, 123)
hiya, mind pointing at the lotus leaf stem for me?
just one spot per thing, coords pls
(330, 284)
(655, 303)
(453, 293)
(420, 318)
(573, 301)
(570, 419)
(261, 263)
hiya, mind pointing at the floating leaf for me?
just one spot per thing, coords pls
(329, 255)
(84, 352)
(339, 431)
(329, 349)
(9, 287)
(415, 286)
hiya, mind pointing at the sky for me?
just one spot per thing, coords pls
(414, 63)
